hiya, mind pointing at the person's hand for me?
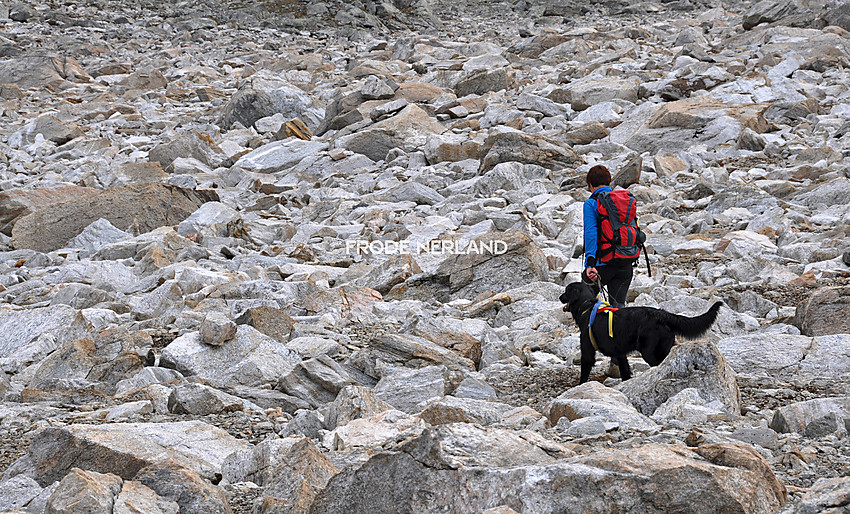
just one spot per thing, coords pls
(589, 276)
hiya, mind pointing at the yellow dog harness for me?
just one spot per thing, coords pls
(600, 306)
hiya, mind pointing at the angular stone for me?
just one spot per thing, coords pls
(246, 106)
(354, 402)
(130, 410)
(316, 381)
(765, 354)
(445, 332)
(216, 329)
(413, 192)
(405, 388)
(17, 203)
(170, 480)
(297, 479)
(125, 448)
(368, 433)
(408, 130)
(593, 399)
(798, 416)
(99, 233)
(85, 491)
(279, 155)
(137, 498)
(251, 358)
(376, 89)
(17, 492)
(823, 312)
(462, 466)
(697, 364)
(137, 208)
(515, 146)
(145, 80)
(202, 400)
(23, 328)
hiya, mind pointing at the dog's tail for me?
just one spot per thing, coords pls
(691, 328)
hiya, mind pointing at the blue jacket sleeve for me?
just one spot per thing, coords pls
(590, 230)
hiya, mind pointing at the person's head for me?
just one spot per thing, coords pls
(598, 176)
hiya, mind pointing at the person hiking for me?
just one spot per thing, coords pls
(611, 237)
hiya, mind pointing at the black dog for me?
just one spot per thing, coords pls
(649, 330)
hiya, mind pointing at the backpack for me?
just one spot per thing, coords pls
(619, 235)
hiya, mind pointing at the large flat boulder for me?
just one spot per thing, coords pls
(408, 130)
(124, 449)
(824, 312)
(136, 208)
(17, 203)
(464, 468)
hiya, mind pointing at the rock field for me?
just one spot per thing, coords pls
(285, 256)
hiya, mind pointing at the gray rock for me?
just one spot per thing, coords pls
(451, 409)
(764, 437)
(354, 402)
(137, 207)
(251, 358)
(195, 145)
(594, 400)
(464, 466)
(17, 492)
(765, 353)
(827, 495)
(97, 234)
(586, 93)
(280, 155)
(124, 448)
(823, 312)
(246, 107)
(405, 388)
(49, 128)
(475, 388)
(85, 491)
(202, 400)
(316, 381)
(376, 89)
(216, 329)
(136, 497)
(509, 176)
(412, 191)
(210, 213)
(798, 416)
(480, 82)
(699, 365)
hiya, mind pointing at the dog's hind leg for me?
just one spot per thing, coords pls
(622, 362)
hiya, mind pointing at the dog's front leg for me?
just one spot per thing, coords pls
(588, 358)
(622, 362)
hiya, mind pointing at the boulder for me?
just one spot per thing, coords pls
(465, 468)
(85, 491)
(399, 350)
(698, 365)
(296, 479)
(135, 498)
(272, 322)
(798, 416)
(39, 70)
(389, 273)
(406, 388)
(172, 481)
(408, 130)
(823, 313)
(509, 176)
(316, 381)
(593, 399)
(251, 358)
(354, 402)
(23, 330)
(246, 106)
(136, 208)
(827, 495)
(516, 146)
(17, 203)
(210, 213)
(125, 448)
(450, 409)
(280, 155)
(451, 147)
(195, 145)
(48, 127)
(17, 492)
(346, 300)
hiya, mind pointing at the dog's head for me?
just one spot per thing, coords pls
(575, 294)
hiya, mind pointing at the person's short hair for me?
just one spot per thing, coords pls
(598, 176)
